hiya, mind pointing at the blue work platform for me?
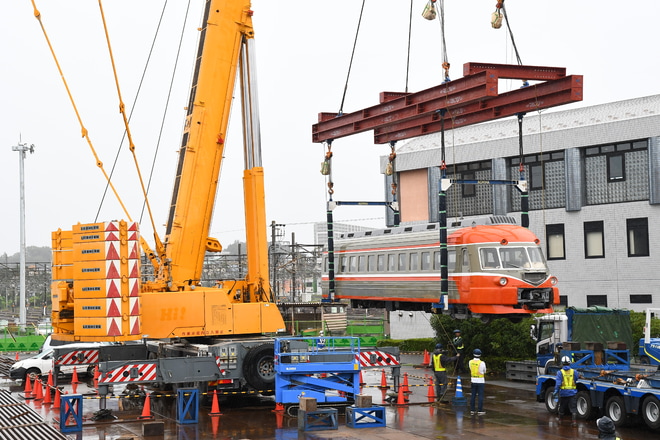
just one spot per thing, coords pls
(313, 367)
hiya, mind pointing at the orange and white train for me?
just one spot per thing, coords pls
(496, 269)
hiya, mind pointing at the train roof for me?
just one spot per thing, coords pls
(452, 226)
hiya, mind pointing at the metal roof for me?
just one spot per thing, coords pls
(18, 421)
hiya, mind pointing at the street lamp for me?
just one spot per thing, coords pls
(22, 148)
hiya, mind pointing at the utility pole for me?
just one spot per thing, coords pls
(275, 232)
(22, 149)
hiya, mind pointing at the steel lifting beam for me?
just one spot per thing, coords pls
(468, 100)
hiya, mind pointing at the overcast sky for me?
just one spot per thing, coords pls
(303, 53)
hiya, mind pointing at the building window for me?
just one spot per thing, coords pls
(596, 300)
(616, 167)
(641, 299)
(638, 237)
(556, 242)
(594, 240)
(469, 189)
(536, 176)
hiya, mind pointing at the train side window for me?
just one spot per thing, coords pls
(371, 263)
(380, 265)
(426, 261)
(466, 261)
(362, 263)
(403, 262)
(451, 260)
(414, 261)
(352, 264)
(436, 260)
(342, 264)
(489, 258)
(391, 262)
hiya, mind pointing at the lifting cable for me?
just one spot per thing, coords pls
(496, 22)
(409, 40)
(84, 131)
(122, 110)
(430, 13)
(350, 64)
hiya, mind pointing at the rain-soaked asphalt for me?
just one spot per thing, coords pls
(512, 413)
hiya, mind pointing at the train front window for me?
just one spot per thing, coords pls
(536, 257)
(514, 257)
(489, 257)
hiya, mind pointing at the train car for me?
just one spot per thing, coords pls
(496, 269)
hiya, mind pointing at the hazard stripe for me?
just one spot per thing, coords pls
(72, 358)
(130, 373)
(376, 359)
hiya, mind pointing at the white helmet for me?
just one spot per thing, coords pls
(565, 360)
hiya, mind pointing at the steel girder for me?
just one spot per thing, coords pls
(465, 101)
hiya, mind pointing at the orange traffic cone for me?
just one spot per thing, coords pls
(431, 393)
(279, 407)
(16, 356)
(383, 381)
(146, 410)
(406, 388)
(97, 374)
(58, 398)
(50, 378)
(74, 381)
(38, 395)
(28, 387)
(215, 408)
(47, 397)
(427, 358)
(401, 399)
(362, 383)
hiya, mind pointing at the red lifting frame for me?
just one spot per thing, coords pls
(468, 100)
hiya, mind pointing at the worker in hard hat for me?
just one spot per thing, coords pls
(566, 386)
(440, 360)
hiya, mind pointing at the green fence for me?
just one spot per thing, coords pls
(15, 339)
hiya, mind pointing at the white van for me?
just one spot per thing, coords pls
(42, 363)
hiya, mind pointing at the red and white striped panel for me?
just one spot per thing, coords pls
(79, 357)
(376, 359)
(145, 373)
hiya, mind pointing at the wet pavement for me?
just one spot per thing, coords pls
(511, 413)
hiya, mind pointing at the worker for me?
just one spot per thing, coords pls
(566, 386)
(459, 346)
(606, 429)
(439, 361)
(478, 382)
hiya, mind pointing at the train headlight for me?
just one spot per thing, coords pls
(502, 281)
(553, 281)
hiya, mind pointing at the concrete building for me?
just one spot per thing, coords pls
(594, 192)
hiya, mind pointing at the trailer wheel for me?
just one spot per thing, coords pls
(550, 403)
(584, 409)
(615, 409)
(651, 412)
(259, 368)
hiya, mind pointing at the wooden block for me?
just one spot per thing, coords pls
(363, 401)
(307, 404)
(150, 429)
(616, 345)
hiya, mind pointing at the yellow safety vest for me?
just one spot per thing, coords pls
(568, 382)
(437, 365)
(458, 343)
(474, 368)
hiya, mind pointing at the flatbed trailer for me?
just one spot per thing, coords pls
(622, 395)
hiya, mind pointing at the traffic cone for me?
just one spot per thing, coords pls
(406, 388)
(48, 399)
(401, 399)
(16, 356)
(146, 410)
(97, 374)
(427, 358)
(279, 407)
(74, 381)
(215, 408)
(28, 387)
(38, 395)
(383, 381)
(458, 399)
(58, 398)
(50, 378)
(362, 383)
(431, 393)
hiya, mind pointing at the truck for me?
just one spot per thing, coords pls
(598, 341)
(170, 329)
(649, 348)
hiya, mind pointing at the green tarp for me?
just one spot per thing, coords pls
(603, 325)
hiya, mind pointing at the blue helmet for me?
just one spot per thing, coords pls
(476, 352)
(457, 331)
(438, 346)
